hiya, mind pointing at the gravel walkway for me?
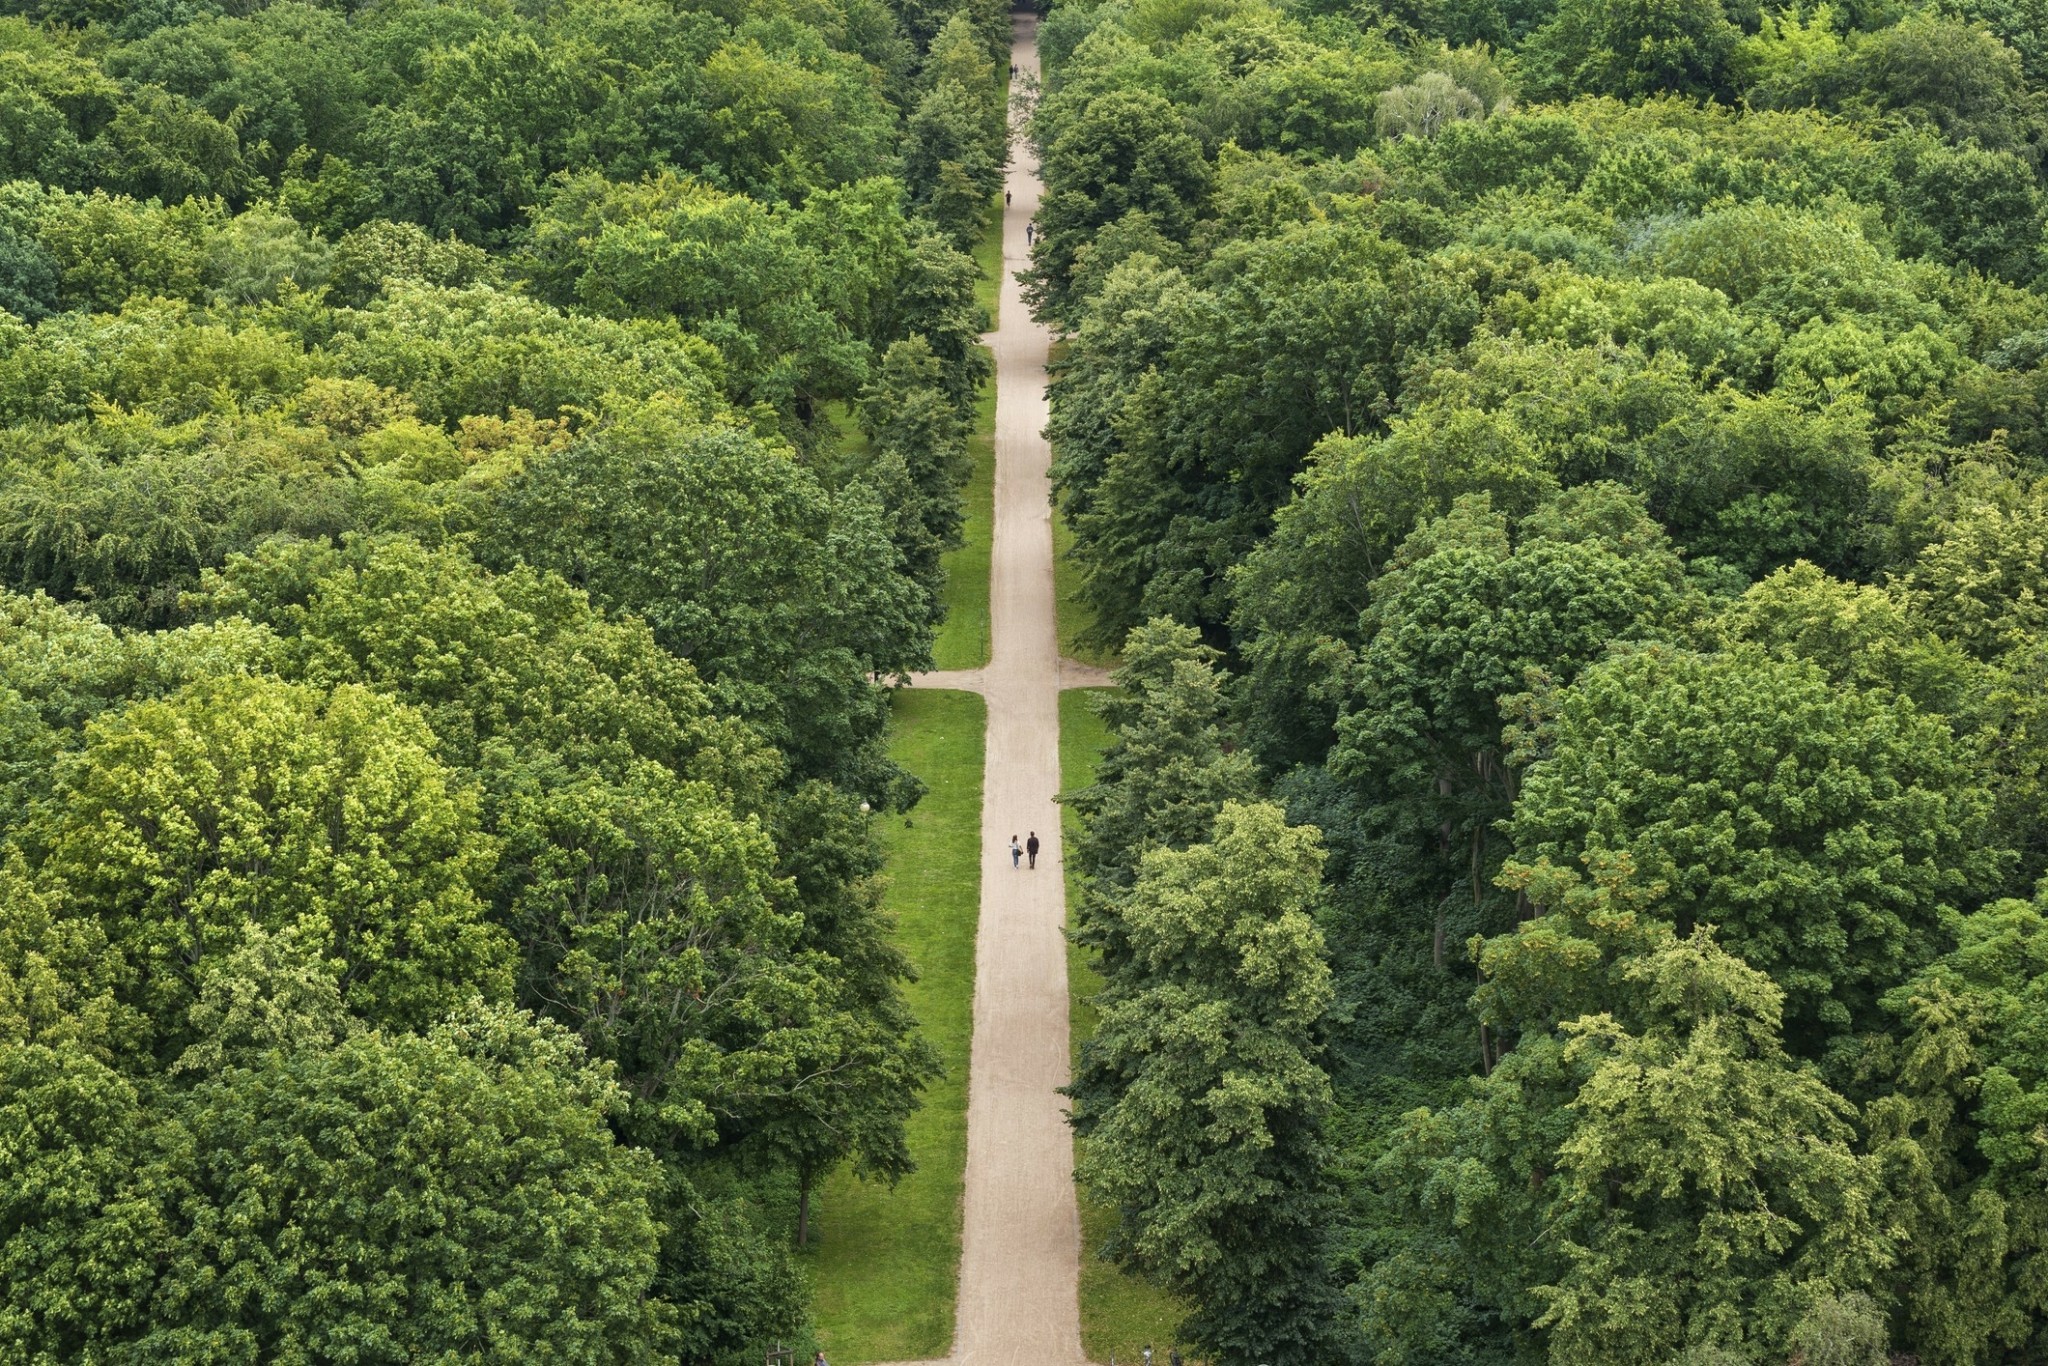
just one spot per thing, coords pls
(1020, 1257)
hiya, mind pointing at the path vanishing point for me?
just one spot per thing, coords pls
(1021, 1247)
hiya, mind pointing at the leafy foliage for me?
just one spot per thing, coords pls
(1586, 466)
(428, 927)
(1210, 1148)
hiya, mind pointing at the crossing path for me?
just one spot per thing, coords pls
(1020, 1249)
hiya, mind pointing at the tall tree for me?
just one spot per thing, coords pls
(289, 1207)
(786, 596)
(1211, 1150)
(1128, 152)
(1955, 1137)
(1170, 766)
(319, 817)
(1630, 1183)
(1828, 831)
(1467, 619)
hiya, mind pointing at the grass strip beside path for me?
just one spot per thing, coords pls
(962, 641)
(1119, 1313)
(886, 1262)
(988, 258)
(1076, 617)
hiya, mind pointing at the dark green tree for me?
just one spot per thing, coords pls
(786, 596)
(1128, 151)
(1467, 620)
(1171, 764)
(1633, 48)
(1211, 1151)
(1828, 831)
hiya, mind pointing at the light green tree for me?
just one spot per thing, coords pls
(1421, 108)
(1708, 1188)
(1957, 1136)
(707, 930)
(322, 818)
(1646, 1172)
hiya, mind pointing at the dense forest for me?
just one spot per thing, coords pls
(1569, 479)
(463, 468)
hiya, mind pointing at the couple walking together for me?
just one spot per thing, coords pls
(1029, 846)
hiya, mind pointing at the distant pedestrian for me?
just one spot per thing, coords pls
(1030, 233)
(1016, 851)
(819, 1359)
(1006, 199)
(1173, 1356)
(1148, 1354)
(1031, 848)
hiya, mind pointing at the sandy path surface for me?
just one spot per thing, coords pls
(1020, 1253)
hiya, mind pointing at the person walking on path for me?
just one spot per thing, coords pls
(1006, 199)
(1030, 233)
(1016, 851)
(1031, 848)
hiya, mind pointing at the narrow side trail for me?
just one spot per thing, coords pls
(1020, 1252)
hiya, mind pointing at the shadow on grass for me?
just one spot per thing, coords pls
(1120, 1314)
(886, 1261)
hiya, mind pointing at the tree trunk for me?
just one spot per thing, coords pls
(1478, 863)
(1485, 1035)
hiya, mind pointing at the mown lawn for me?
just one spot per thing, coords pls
(886, 1261)
(1119, 1313)
(851, 438)
(1076, 617)
(988, 255)
(963, 637)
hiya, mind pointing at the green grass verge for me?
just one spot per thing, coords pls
(988, 250)
(962, 641)
(846, 427)
(962, 638)
(886, 1261)
(1119, 1313)
(988, 257)
(1082, 739)
(1076, 617)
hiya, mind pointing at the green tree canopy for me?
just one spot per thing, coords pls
(782, 593)
(321, 817)
(1211, 1151)
(290, 1207)
(1828, 832)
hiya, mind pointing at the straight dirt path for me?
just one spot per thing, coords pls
(1020, 1250)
